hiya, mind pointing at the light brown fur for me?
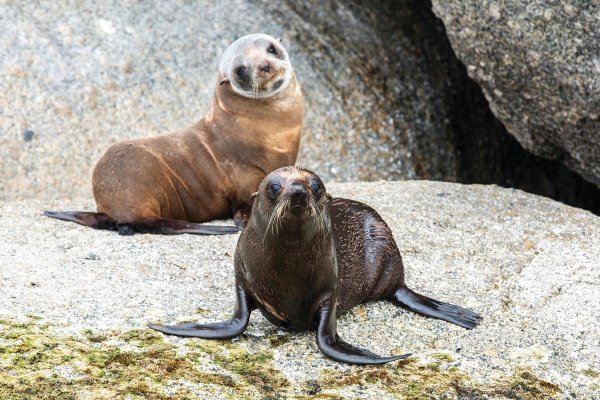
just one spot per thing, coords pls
(209, 170)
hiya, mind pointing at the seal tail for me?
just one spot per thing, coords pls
(424, 305)
(159, 226)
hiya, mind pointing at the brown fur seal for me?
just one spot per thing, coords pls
(170, 183)
(305, 258)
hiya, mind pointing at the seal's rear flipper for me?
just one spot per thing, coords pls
(335, 348)
(175, 227)
(218, 330)
(160, 226)
(423, 305)
(91, 219)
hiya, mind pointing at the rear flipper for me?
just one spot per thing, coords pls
(423, 305)
(335, 348)
(175, 227)
(218, 330)
(92, 219)
(159, 226)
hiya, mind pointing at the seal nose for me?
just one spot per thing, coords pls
(266, 67)
(298, 192)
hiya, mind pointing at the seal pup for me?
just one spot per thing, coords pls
(171, 183)
(305, 258)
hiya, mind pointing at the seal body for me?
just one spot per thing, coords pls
(205, 172)
(304, 258)
(209, 170)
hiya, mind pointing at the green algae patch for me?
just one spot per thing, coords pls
(590, 373)
(278, 340)
(408, 379)
(443, 357)
(411, 379)
(36, 362)
(255, 369)
(524, 384)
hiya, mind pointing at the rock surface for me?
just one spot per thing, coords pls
(529, 265)
(537, 62)
(385, 96)
(79, 78)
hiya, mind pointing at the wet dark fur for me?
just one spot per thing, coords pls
(304, 264)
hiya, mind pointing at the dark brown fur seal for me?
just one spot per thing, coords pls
(170, 183)
(305, 258)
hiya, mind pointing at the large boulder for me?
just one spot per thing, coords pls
(537, 62)
(74, 303)
(79, 78)
(385, 96)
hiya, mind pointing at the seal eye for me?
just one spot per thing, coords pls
(271, 49)
(240, 71)
(274, 188)
(316, 187)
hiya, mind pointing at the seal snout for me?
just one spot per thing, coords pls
(298, 198)
(298, 192)
(257, 66)
(266, 67)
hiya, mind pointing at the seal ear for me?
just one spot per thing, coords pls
(329, 198)
(279, 40)
(253, 196)
(225, 80)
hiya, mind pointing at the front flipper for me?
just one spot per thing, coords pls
(218, 330)
(91, 219)
(165, 226)
(424, 305)
(333, 347)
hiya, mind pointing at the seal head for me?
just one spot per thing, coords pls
(256, 66)
(292, 200)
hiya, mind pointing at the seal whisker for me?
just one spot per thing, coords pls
(275, 220)
(280, 212)
(271, 219)
(316, 212)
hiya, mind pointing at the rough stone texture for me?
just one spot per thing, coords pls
(385, 95)
(537, 62)
(85, 75)
(394, 57)
(529, 265)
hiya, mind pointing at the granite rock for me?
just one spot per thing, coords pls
(528, 264)
(537, 62)
(385, 96)
(80, 76)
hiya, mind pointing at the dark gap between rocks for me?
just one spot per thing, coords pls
(399, 58)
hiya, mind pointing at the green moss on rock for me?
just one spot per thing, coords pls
(37, 362)
(410, 379)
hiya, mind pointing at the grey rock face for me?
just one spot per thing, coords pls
(84, 76)
(529, 265)
(385, 96)
(538, 64)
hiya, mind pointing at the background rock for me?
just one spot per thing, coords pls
(537, 62)
(386, 97)
(529, 265)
